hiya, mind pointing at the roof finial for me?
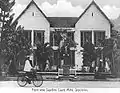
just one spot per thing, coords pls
(32, 0)
(93, 1)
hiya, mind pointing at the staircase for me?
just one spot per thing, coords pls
(66, 73)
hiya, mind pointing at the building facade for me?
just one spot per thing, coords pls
(92, 23)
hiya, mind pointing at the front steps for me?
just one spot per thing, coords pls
(65, 77)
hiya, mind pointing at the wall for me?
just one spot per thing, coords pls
(36, 22)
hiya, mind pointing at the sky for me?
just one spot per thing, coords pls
(69, 8)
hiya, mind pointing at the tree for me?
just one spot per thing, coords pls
(88, 54)
(13, 40)
(42, 54)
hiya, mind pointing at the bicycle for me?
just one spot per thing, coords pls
(23, 79)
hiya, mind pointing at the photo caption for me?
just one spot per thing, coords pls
(76, 90)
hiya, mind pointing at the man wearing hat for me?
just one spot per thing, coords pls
(28, 67)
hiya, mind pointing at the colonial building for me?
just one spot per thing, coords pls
(92, 23)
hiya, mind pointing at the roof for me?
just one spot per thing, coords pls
(62, 21)
(32, 2)
(93, 3)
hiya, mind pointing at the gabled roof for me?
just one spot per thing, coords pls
(32, 2)
(93, 3)
(62, 21)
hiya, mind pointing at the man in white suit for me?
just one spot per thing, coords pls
(28, 65)
(28, 68)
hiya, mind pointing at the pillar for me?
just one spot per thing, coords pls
(92, 37)
(32, 43)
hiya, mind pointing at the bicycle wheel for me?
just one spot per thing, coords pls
(22, 81)
(38, 80)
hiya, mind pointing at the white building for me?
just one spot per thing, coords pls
(92, 22)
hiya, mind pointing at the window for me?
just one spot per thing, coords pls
(51, 38)
(86, 35)
(27, 34)
(92, 14)
(0, 36)
(39, 36)
(0, 24)
(71, 35)
(55, 37)
(33, 14)
(98, 35)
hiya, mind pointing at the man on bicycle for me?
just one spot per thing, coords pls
(30, 75)
(28, 67)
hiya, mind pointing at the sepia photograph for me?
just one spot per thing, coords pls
(60, 46)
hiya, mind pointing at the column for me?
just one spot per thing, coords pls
(0, 34)
(32, 43)
(71, 59)
(32, 38)
(79, 40)
(53, 39)
(53, 51)
(92, 36)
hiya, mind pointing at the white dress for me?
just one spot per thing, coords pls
(27, 67)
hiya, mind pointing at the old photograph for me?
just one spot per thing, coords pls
(59, 45)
